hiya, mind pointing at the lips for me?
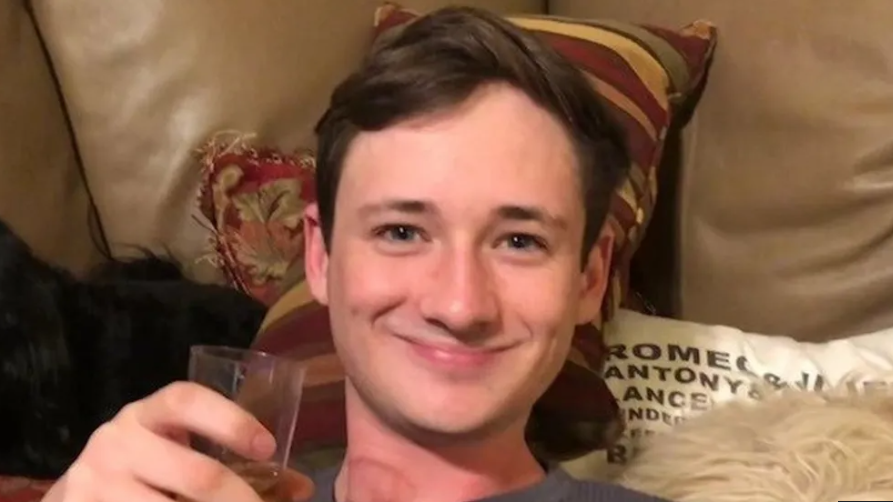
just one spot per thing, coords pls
(453, 356)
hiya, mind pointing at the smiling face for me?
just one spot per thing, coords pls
(453, 277)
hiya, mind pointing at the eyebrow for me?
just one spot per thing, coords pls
(397, 205)
(529, 213)
(510, 212)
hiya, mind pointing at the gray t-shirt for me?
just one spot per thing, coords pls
(558, 486)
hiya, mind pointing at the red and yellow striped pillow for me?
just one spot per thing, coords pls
(644, 73)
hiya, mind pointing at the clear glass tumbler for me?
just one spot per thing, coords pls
(267, 386)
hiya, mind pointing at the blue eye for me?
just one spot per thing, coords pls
(398, 233)
(524, 242)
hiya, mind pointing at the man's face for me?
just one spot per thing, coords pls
(453, 279)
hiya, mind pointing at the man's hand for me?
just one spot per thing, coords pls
(295, 487)
(142, 455)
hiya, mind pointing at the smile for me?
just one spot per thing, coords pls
(454, 356)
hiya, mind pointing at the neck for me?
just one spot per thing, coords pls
(434, 470)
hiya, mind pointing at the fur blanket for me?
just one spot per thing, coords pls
(790, 447)
(73, 352)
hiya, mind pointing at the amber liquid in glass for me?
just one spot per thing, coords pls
(263, 477)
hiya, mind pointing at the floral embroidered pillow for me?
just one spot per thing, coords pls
(253, 199)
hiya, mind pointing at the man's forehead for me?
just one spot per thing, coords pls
(498, 156)
(497, 128)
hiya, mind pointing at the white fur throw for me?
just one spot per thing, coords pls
(792, 446)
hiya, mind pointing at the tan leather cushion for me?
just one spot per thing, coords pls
(42, 195)
(785, 208)
(147, 82)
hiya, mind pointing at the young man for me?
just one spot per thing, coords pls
(464, 175)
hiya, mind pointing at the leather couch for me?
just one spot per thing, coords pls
(775, 209)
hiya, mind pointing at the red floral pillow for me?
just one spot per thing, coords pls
(253, 200)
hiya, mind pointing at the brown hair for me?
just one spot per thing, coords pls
(435, 63)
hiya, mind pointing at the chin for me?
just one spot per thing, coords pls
(458, 423)
(453, 428)
(455, 411)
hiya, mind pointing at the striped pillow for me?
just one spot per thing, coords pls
(643, 74)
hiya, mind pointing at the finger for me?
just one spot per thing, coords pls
(296, 486)
(190, 406)
(129, 490)
(172, 467)
(58, 491)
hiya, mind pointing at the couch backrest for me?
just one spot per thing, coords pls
(147, 82)
(42, 193)
(777, 222)
(781, 220)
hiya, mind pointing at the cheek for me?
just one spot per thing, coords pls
(364, 282)
(543, 299)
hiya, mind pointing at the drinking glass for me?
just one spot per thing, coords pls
(267, 386)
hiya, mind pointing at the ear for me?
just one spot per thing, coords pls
(316, 256)
(594, 277)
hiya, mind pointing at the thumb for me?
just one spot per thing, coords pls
(295, 486)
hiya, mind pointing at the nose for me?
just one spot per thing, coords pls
(460, 295)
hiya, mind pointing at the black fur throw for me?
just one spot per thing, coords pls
(74, 352)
